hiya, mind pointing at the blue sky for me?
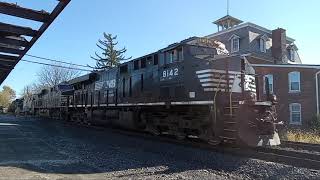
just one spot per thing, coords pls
(144, 26)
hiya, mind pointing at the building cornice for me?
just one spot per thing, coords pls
(247, 24)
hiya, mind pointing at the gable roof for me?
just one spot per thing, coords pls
(233, 37)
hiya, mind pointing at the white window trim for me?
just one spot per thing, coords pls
(292, 54)
(234, 37)
(263, 45)
(289, 80)
(263, 40)
(290, 111)
(264, 83)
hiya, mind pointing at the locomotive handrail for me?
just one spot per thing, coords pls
(230, 98)
(215, 96)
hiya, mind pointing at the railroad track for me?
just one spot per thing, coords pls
(278, 155)
(301, 146)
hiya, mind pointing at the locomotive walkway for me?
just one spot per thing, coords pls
(49, 149)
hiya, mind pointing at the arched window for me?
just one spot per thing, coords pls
(263, 43)
(295, 113)
(294, 81)
(235, 43)
(292, 54)
(270, 78)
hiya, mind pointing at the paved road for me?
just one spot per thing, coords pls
(48, 149)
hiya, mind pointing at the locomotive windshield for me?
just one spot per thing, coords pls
(200, 52)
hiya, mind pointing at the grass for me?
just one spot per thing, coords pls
(302, 136)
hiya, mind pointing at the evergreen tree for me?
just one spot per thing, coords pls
(110, 56)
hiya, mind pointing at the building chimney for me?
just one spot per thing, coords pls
(279, 45)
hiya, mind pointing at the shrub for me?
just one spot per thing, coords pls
(302, 136)
(315, 123)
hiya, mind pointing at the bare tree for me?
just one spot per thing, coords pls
(30, 89)
(50, 76)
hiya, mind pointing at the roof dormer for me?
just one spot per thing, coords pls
(235, 43)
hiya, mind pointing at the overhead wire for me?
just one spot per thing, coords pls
(46, 64)
(57, 61)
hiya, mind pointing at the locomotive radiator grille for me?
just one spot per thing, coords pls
(212, 81)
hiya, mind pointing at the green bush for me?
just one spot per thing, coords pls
(315, 123)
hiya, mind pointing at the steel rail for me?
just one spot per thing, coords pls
(301, 146)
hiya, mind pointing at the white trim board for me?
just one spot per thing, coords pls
(288, 66)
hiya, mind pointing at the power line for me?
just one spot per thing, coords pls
(56, 65)
(53, 60)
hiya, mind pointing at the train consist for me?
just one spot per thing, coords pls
(191, 89)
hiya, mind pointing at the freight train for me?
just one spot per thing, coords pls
(190, 89)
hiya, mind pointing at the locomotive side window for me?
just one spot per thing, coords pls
(162, 59)
(155, 59)
(124, 87)
(136, 65)
(180, 54)
(170, 56)
(149, 60)
(124, 69)
(130, 87)
(141, 83)
(202, 52)
(143, 63)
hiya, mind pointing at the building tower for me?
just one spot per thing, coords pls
(227, 22)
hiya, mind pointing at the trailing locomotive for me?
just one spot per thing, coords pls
(189, 89)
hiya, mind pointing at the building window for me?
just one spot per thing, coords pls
(270, 79)
(263, 44)
(292, 55)
(295, 113)
(294, 81)
(235, 43)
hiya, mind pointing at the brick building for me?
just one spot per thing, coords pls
(297, 89)
(275, 56)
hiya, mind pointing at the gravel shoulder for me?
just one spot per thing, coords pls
(48, 149)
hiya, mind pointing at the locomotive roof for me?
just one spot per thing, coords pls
(83, 78)
(168, 48)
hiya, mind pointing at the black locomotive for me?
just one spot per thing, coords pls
(191, 89)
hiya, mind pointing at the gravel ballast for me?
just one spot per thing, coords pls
(51, 149)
